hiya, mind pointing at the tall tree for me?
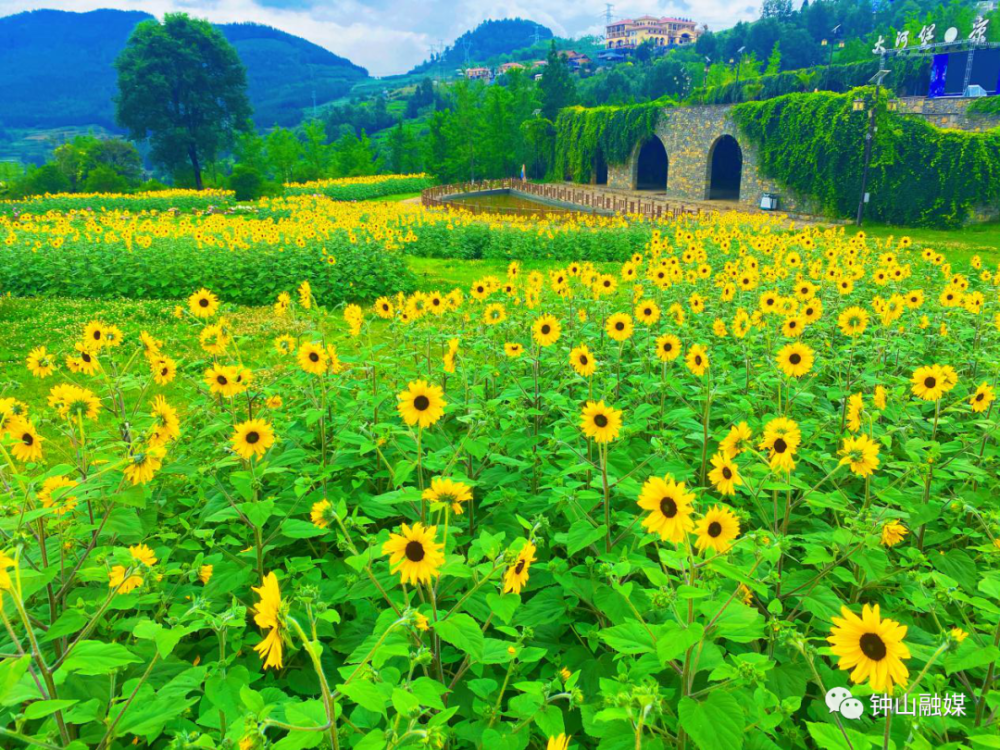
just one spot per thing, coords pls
(557, 87)
(182, 86)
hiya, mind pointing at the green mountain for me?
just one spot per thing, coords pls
(56, 69)
(488, 39)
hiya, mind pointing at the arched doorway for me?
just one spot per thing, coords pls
(725, 170)
(652, 166)
(600, 169)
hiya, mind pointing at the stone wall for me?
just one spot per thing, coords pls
(948, 112)
(689, 134)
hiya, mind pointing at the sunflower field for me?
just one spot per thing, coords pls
(736, 487)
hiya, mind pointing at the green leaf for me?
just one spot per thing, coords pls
(582, 534)
(464, 633)
(95, 657)
(715, 723)
(970, 656)
(11, 671)
(38, 709)
(629, 638)
(673, 640)
(829, 737)
(366, 695)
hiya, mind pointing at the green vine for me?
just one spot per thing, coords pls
(920, 175)
(584, 135)
(988, 106)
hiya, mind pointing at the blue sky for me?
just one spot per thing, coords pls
(390, 36)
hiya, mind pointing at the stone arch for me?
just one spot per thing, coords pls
(724, 173)
(600, 171)
(651, 170)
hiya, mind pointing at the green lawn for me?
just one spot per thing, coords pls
(957, 244)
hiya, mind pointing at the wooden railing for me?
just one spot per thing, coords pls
(584, 198)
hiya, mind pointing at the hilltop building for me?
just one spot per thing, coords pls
(661, 32)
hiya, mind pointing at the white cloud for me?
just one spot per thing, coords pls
(391, 36)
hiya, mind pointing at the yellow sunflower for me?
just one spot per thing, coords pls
(117, 579)
(929, 383)
(853, 321)
(599, 422)
(647, 311)
(319, 514)
(252, 438)
(224, 380)
(143, 463)
(27, 442)
(513, 350)
(725, 474)
(269, 614)
(414, 554)
(546, 330)
(716, 530)
(737, 441)
(982, 398)
(164, 370)
(60, 485)
(312, 358)
(203, 303)
(782, 438)
(619, 327)
(872, 648)
(697, 360)
(668, 348)
(517, 574)
(795, 360)
(861, 454)
(421, 404)
(448, 492)
(892, 533)
(583, 362)
(40, 364)
(669, 506)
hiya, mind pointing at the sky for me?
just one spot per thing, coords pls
(391, 36)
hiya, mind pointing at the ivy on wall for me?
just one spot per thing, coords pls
(583, 135)
(988, 106)
(920, 175)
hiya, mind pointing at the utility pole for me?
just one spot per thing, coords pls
(608, 13)
(869, 137)
(314, 104)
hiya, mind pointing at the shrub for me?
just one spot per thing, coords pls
(247, 183)
(361, 188)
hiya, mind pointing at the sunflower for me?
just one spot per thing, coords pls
(737, 441)
(668, 347)
(284, 344)
(319, 514)
(40, 364)
(494, 313)
(85, 361)
(853, 321)
(164, 370)
(619, 327)
(305, 295)
(448, 492)
(167, 426)
(414, 553)
(600, 422)
(142, 465)
(861, 454)
(795, 360)
(252, 438)
(782, 438)
(312, 358)
(513, 350)
(558, 742)
(929, 383)
(871, 647)
(879, 397)
(93, 335)
(384, 308)
(205, 574)
(143, 554)
(669, 506)
(648, 312)
(421, 404)
(725, 475)
(982, 398)
(892, 533)
(27, 442)
(63, 502)
(716, 530)
(517, 574)
(855, 408)
(546, 330)
(697, 360)
(122, 583)
(583, 361)
(224, 380)
(203, 303)
(269, 614)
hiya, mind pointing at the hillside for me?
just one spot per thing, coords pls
(56, 69)
(488, 39)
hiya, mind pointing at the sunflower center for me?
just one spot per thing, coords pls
(253, 437)
(727, 472)
(647, 312)
(979, 396)
(546, 329)
(85, 357)
(203, 302)
(221, 380)
(873, 646)
(668, 347)
(420, 403)
(714, 529)
(519, 568)
(313, 357)
(601, 420)
(780, 446)
(619, 326)
(697, 360)
(930, 382)
(414, 551)
(795, 359)
(28, 439)
(668, 507)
